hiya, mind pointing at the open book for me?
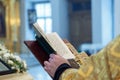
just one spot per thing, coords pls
(45, 44)
(52, 43)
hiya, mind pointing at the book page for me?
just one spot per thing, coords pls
(59, 46)
(39, 31)
(55, 42)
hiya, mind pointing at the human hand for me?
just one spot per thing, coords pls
(53, 63)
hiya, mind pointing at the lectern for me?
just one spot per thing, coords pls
(41, 54)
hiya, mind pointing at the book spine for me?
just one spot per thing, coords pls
(44, 44)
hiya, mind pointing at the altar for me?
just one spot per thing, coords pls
(17, 76)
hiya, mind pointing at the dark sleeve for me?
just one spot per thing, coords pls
(61, 69)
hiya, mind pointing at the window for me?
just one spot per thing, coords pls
(44, 19)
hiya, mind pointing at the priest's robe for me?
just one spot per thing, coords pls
(104, 65)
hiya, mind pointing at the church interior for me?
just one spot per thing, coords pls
(89, 25)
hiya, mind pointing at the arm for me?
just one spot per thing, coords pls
(105, 65)
(56, 65)
(60, 70)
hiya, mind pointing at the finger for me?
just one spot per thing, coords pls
(45, 68)
(50, 60)
(52, 55)
(46, 63)
(48, 71)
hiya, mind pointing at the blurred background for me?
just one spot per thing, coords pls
(88, 25)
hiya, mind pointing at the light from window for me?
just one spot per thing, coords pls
(48, 10)
(49, 24)
(40, 10)
(41, 22)
(43, 11)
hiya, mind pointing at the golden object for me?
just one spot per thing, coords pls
(81, 57)
(104, 65)
(12, 19)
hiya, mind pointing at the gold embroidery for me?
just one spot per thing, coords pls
(86, 74)
(104, 65)
(115, 50)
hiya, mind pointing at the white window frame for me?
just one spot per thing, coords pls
(44, 18)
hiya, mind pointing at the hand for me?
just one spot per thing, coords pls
(53, 63)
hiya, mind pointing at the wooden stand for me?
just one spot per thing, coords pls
(37, 51)
(41, 55)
